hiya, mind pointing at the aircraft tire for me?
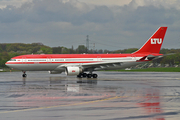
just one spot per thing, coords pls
(79, 76)
(84, 74)
(89, 75)
(24, 75)
(94, 75)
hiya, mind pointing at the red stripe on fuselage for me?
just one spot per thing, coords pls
(64, 56)
(49, 62)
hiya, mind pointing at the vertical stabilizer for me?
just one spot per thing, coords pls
(153, 45)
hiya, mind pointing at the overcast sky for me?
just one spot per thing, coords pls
(110, 24)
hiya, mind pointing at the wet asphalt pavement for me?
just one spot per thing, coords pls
(112, 96)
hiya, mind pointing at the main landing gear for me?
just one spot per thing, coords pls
(24, 74)
(89, 75)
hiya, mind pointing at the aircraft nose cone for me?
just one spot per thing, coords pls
(7, 64)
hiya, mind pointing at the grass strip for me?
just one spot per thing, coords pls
(168, 69)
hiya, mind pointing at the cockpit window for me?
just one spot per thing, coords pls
(13, 60)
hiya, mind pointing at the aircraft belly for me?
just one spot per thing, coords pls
(34, 67)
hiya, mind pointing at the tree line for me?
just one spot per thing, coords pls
(9, 50)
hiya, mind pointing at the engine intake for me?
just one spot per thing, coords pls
(73, 70)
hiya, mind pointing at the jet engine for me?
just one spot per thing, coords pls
(55, 72)
(73, 70)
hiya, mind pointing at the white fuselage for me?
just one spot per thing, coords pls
(48, 63)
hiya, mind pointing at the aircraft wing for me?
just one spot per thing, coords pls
(102, 65)
(94, 65)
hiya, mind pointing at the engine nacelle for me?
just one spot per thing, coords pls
(55, 72)
(73, 70)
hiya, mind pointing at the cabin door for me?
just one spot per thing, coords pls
(24, 60)
(48, 60)
(99, 58)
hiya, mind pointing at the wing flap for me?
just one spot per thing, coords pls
(93, 65)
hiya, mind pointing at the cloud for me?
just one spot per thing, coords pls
(100, 14)
(56, 11)
(107, 2)
(48, 11)
(151, 15)
(10, 14)
(157, 3)
(67, 22)
(15, 3)
(78, 13)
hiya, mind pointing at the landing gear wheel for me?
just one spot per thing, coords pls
(84, 74)
(94, 75)
(79, 76)
(24, 75)
(89, 75)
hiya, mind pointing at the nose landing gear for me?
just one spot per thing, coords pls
(24, 74)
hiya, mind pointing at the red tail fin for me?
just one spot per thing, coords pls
(153, 45)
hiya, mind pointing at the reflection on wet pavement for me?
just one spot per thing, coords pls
(112, 96)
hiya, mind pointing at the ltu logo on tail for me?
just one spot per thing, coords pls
(156, 40)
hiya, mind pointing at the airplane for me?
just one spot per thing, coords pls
(80, 64)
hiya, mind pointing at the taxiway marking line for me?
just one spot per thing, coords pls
(74, 104)
(81, 103)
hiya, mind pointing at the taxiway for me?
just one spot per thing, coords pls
(112, 96)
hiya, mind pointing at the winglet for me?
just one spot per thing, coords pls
(153, 45)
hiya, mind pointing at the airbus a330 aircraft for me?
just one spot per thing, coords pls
(79, 64)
